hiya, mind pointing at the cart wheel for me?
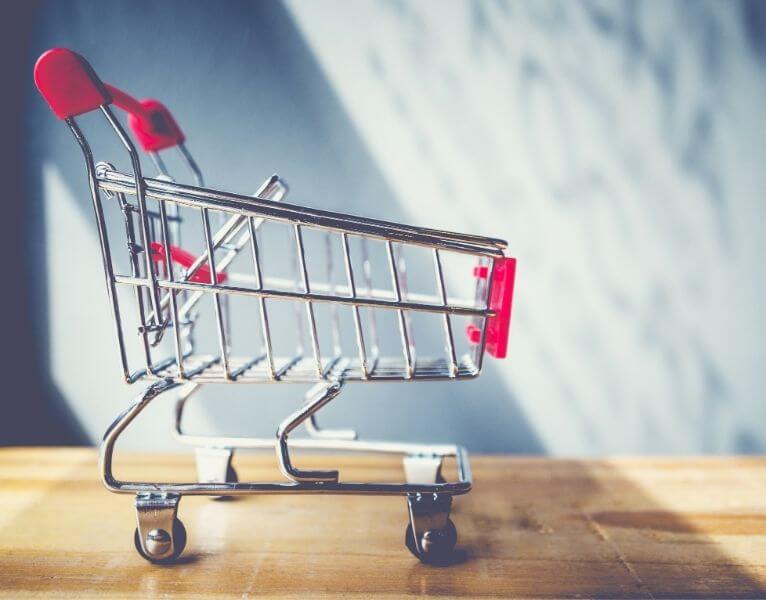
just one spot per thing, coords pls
(179, 543)
(437, 545)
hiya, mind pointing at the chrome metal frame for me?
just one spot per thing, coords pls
(311, 484)
(166, 299)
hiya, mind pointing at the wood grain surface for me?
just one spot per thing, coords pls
(532, 528)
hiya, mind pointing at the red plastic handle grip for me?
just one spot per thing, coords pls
(185, 259)
(71, 87)
(501, 302)
(68, 83)
(150, 120)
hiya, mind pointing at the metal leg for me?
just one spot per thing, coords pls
(313, 428)
(422, 463)
(106, 452)
(183, 397)
(160, 536)
(431, 535)
(213, 462)
(423, 468)
(214, 465)
(322, 396)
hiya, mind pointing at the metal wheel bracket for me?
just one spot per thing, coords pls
(156, 513)
(213, 464)
(423, 468)
(428, 512)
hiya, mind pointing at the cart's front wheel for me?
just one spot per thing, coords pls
(436, 545)
(158, 541)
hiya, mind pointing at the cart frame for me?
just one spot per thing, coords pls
(165, 297)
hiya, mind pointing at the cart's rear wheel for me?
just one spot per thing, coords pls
(436, 544)
(160, 537)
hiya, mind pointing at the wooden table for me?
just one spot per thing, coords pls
(532, 527)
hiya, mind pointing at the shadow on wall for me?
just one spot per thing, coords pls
(252, 100)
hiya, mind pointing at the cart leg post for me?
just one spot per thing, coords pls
(423, 468)
(322, 395)
(183, 397)
(106, 451)
(214, 465)
(431, 535)
(319, 433)
(160, 536)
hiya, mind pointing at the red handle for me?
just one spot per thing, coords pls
(151, 122)
(69, 84)
(500, 301)
(71, 87)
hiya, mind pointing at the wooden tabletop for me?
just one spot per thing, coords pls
(532, 527)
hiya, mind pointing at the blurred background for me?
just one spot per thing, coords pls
(618, 146)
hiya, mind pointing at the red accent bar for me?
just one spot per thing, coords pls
(501, 302)
(68, 83)
(185, 259)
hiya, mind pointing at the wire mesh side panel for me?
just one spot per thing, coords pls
(260, 297)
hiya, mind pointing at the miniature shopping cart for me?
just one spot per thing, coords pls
(162, 297)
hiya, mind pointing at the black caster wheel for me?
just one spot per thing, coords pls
(437, 545)
(160, 539)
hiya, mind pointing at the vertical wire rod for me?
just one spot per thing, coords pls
(357, 319)
(177, 341)
(402, 320)
(295, 263)
(449, 338)
(222, 342)
(304, 274)
(479, 349)
(401, 266)
(265, 329)
(334, 316)
(367, 272)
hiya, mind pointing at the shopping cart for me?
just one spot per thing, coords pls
(160, 287)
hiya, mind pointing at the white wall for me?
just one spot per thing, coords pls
(616, 147)
(619, 148)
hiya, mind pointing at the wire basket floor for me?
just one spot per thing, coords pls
(303, 369)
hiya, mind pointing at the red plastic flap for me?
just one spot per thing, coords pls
(68, 83)
(501, 302)
(185, 259)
